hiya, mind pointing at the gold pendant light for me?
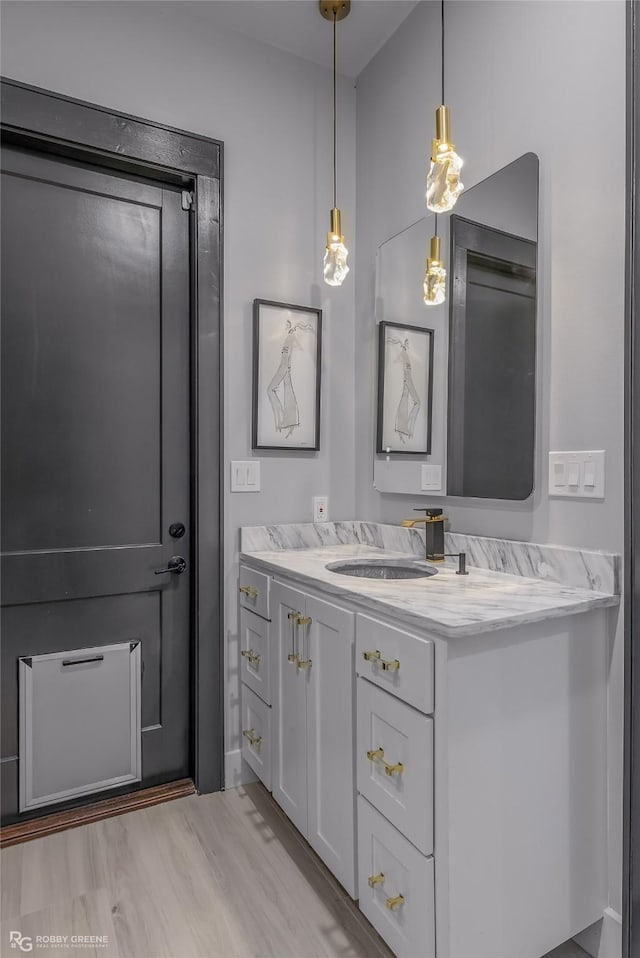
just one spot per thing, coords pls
(443, 181)
(435, 277)
(335, 266)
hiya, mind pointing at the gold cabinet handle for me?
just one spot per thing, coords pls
(392, 903)
(391, 666)
(254, 657)
(396, 769)
(371, 656)
(377, 755)
(374, 880)
(249, 590)
(250, 734)
(293, 655)
(304, 620)
(388, 665)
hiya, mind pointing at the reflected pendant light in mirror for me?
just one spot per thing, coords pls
(335, 266)
(443, 181)
(435, 277)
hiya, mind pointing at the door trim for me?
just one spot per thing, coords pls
(631, 812)
(73, 128)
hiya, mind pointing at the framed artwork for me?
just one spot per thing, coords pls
(405, 375)
(287, 350)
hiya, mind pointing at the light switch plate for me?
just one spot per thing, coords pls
(431, 480)
(577, 475)
(245, 475)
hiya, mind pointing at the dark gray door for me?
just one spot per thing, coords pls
(95, 436)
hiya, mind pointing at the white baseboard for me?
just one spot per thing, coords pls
(236, 770)
(604, 939)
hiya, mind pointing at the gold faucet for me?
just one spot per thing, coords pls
(433, 536)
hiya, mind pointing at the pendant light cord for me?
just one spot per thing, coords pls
(335, 11)
(442, 57)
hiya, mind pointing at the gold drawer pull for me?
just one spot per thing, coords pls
(249, 590)
(250, 734)
(306, 664)
(391, 665)
(304, 620)
(392, 903)
(292, 615)
(293, 658)
(253, 657)
(374, 880)
(377, 755)
(396, 769)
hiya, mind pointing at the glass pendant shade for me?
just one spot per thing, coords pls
(335, 266)
(435, 277)
(443, 182)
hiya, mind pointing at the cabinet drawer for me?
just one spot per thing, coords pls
(255, 657)
(395, 762)
(389, 867)
(410, 662)
(256, 735)
(254, 591)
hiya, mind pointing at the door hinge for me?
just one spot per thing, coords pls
(188, 199)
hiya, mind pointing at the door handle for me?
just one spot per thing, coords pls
(175, 564)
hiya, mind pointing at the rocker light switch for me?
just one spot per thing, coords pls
(577, 475)
(574, 474)
(431, 478)
(245, 476)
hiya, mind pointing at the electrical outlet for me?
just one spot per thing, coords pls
(320, 508)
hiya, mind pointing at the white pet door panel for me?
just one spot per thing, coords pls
(79, 723)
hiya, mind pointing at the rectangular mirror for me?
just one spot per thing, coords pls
(484, 341)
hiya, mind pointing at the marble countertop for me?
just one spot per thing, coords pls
(446, 603)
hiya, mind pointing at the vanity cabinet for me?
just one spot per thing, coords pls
(255, 672)
(313, 724)
(456, 785)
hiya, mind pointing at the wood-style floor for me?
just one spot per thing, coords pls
(217, 876)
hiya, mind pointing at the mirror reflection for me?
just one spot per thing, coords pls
(483, 341)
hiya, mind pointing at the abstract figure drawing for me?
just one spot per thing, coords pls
(286, 412)
(410, 403)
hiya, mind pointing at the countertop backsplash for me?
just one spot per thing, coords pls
(579, 568)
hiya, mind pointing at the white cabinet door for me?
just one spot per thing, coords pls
(328, 642)
(289, 718)
(255, 654)
(256, 734)
(397, 888)
(395, 762)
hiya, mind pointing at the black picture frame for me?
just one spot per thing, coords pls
(299, 398)
(390, 383)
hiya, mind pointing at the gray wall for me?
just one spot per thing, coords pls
(550, 78)
(272, 110)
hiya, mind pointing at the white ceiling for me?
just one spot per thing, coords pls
(297, 27)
